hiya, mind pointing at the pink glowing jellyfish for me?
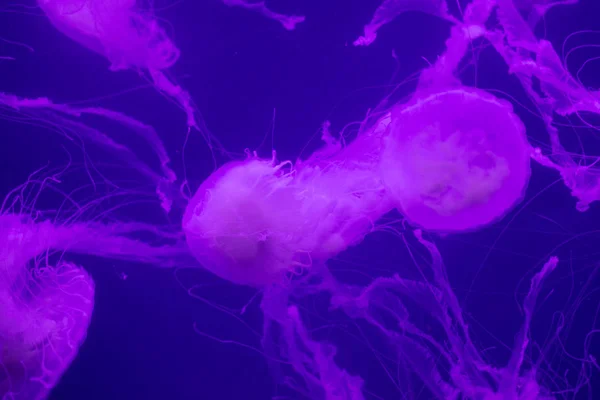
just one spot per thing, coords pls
(46, 302)
(529, 59)
(126, 35)
(258, 222)
(45, 312)
(455, 160)
(451, 159)
(274, 225)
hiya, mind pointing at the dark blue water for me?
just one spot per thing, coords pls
(261, 87)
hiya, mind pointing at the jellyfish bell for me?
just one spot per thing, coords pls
(246, 223)
(455, 160)
(232, 225)
(49, 311)
(255, 222)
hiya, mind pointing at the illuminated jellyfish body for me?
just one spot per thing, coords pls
(530, 59)
(455, 160)
(45, 313)
(274, 225)
(126, 35)
(256, 222)
(451, 159)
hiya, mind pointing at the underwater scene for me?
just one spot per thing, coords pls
(312, 200)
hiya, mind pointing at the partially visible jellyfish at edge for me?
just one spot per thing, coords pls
(47, 301)
(129, 37)
(259, 222)
(447, 168)
(529, 59)
(45, 312)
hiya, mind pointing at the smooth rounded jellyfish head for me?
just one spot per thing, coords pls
(242, 224)
(455, 160)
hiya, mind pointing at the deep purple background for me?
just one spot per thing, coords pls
(238, 67)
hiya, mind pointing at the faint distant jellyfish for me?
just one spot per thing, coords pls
(127, 36)
(455, 160)
(45, 313)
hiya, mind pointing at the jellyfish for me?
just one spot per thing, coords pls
(259, 222)
(274, 225)
(46, 301)
(446, 166)
(451, 159)
(530, 59)
(455, 160)
(45, 313)
(129, 37)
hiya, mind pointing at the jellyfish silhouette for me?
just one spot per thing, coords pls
(45, 313)
(126, 35)
(46, 302)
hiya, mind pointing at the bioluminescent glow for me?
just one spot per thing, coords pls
(448, 168)
(127, 36)
(253, 222)
(46, 311)
(530, 59)
(450, 159)
(453, 158)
